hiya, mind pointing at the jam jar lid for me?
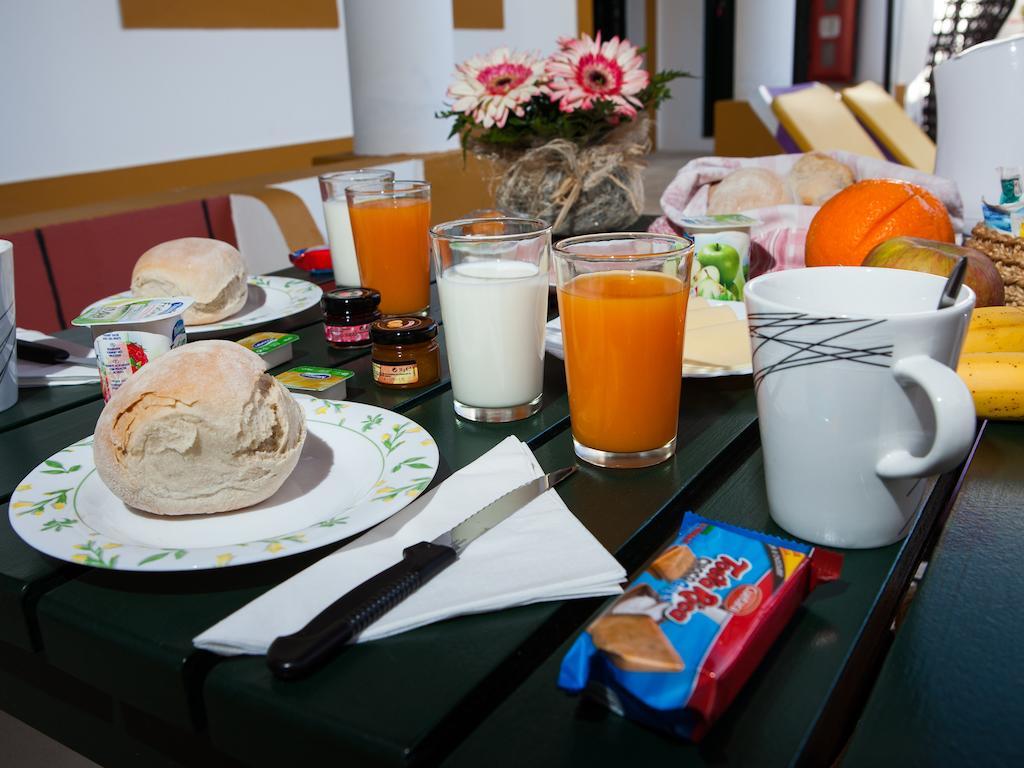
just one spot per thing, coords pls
(350, 301)
(403, 330)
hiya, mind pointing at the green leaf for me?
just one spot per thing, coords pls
(418, 465)
(52, 463)
(75, 468)
(53, 472)
(153, 558)
(180, 554)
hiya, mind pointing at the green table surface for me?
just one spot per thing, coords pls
(949, 692)
(120, 643)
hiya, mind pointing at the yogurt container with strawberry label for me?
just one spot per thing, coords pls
(721, 255)
(129, 332)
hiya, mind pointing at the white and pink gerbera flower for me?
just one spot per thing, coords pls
(584, 71)
(489, 87)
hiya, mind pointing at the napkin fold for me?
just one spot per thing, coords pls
(40, 375)
(542, 552)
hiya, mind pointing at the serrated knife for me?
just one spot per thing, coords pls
(294, 656)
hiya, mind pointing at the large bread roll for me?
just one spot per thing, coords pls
(747, 188)
(209, 271)
(815, 177)
(200, 429)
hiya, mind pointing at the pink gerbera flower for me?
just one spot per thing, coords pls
(489, 87)
(584, 71)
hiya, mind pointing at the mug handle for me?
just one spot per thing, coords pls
(954, 419)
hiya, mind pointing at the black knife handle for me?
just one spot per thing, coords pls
(293, 656)
(35, 352)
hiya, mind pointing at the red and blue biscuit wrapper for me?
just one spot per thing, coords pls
(675, 649)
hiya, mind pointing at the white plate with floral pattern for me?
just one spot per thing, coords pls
(270, 298)
(360, 465)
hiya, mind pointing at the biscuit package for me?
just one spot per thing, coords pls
(676, 647)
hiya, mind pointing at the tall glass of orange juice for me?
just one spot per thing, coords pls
(390, 220)
(622, 300)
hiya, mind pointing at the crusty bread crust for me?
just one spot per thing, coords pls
(210, 271)
(200, 429)
(816, 177)
(747, 188)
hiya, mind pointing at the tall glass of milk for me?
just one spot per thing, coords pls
(339, 229)
(492, 277)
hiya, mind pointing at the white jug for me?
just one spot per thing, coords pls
(980, 101)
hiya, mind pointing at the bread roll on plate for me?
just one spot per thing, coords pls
(209, 271)
(747, 188)
(200, 429)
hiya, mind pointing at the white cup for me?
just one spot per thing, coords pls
(857, 399)
(8, 340)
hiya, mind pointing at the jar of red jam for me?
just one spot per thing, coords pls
(405, 352)
(348, 315)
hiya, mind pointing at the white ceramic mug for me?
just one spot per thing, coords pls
(8, 340)
(857, 399)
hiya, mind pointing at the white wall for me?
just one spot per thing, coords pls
(530, 25)
(681, 46)
(79, 93)
(765, 35)
(871, 35)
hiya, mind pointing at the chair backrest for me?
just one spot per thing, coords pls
(817, 120)
(890, 126)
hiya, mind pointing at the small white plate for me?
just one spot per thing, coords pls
(270, 298)
(360, 465)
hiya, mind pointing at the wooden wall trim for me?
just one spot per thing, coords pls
(585, 17)
(29, 204)
(229, 14)
(478, 14)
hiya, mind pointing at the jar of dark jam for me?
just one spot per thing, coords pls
(348, 315)
(405, 352)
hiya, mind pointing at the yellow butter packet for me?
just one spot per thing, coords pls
(313, 379)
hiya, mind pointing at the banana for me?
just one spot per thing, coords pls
(996, 381)
(995, 329)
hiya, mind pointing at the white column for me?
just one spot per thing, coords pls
(765, 33)
(400, 55)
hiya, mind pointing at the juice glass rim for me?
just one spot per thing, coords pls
(388, 189)
(561, 248)
(543, 226)
(372, 175)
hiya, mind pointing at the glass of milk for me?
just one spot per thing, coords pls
(492, 277)
(339, 229)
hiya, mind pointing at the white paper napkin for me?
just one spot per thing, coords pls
(540, 553)
(40, 375)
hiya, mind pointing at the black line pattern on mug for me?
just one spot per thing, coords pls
(813, 352)
(5, 364)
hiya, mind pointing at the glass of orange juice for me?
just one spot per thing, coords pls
(622, 299)
(390, 220)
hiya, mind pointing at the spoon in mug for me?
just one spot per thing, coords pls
(953, 283)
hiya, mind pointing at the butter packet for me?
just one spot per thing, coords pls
(313, 379)
(274, 348)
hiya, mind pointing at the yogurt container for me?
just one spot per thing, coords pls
(721, 255)
(129, 332)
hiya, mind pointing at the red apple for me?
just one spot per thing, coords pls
(937, 258)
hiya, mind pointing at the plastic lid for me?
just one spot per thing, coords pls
(403, 330)
(132, 309)
(347, 301)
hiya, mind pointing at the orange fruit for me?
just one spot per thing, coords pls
(870, 212)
